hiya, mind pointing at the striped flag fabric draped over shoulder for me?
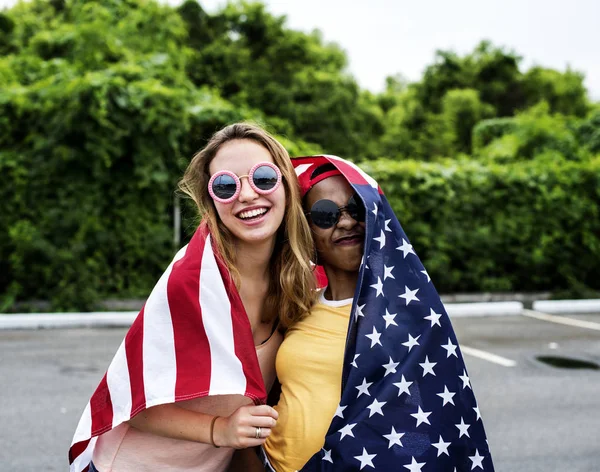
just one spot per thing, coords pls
(407, 403)
(191, 339)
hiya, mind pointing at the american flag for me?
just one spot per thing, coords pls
(407, 403)
(191, 339)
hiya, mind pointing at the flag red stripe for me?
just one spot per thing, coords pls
(77, 449)
(192, 350)
(243, 340)
(134, 350)
(191, 344)
(101, 408)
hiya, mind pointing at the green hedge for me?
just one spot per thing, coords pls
(74, 236)
(528, 226)
(89, 166)
(99, 116)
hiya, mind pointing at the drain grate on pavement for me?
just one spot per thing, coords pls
(567, 362)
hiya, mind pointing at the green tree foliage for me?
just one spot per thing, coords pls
(564, 92)
(494, 72)
(253, 59)
(588, 132)
(497, 88)
(462, 109)
(95, 117)
(524, 227)
(102, 104)
(529, 135)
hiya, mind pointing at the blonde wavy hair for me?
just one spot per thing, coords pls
(292, 282)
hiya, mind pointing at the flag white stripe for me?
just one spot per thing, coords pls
(160, 366)
(301, 169)
(84, 428)
(117, 379)
(364, 175)
(83, 459)
(227, 375)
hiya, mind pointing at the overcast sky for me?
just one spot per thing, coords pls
(385, 37)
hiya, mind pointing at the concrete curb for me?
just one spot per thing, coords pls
(463, 310)
(108, 319)
(566, 307)
(68, 320)
(125, 318)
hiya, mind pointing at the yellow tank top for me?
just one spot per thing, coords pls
(309, 367)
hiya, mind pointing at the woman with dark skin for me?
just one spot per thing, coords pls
(305, 418)
(371, 377)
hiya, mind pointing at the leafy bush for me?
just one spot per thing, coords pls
(525, 227)
(93, 138)
(526, 136)
(102, 104)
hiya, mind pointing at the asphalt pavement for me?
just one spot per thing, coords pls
(538, 418)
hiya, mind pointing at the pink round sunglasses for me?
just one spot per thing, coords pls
(264, 178)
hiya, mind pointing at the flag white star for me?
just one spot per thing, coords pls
(433, 317)
(406, 248)
(390, 367)
(379, 287)
(327, 455)
(353, 363)
(412, 342)
(476, 408)
(347, 430)
(451, 348)
(447, 396)
(364, 388)
(359, 311)
(414, 466)
(421, 416)
(477, 460)
(428, 366)
(463, 428)
(375, 407)
(366, 459)
(389, 318)
(394, 438)
(403, 386)
(465, 379)
(339, 411)
(381, 240)
(425, 272)
(442, 447)
(374, 210)
(387, 225)
(374, 337)
(387, 272)
(409, 295)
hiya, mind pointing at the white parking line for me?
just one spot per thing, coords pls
(562, 320)
(487, 356)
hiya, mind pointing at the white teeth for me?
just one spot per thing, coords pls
(252, 213)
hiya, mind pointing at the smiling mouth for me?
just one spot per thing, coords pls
(350, 240)
(249, 215)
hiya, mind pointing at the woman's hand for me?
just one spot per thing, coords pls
(239, 430)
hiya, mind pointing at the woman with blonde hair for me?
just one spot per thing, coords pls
(188, 384)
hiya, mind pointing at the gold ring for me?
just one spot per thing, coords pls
(257, 436)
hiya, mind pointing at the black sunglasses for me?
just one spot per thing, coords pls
(325, 213)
